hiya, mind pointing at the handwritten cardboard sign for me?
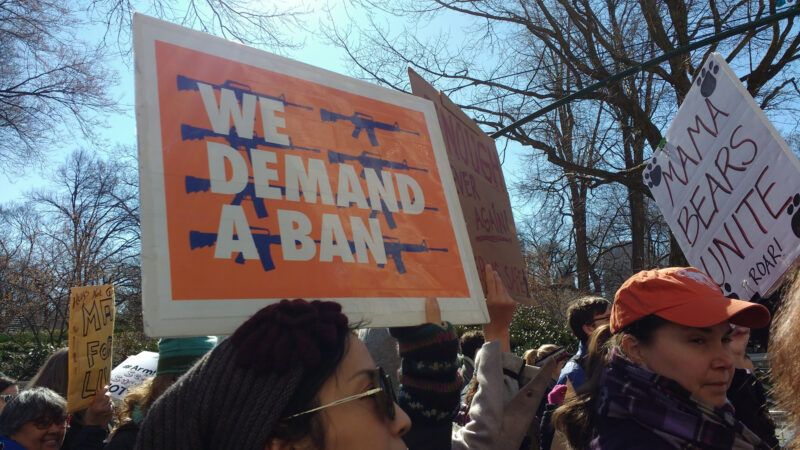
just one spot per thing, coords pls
(728, 186)
(131, 373)
(91, 328)
(263, 178)
(481, 191)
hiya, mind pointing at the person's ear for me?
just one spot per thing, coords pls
(588, 329)
(633, 349)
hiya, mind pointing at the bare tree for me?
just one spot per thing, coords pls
(52, 83)
(55, 85)
(84, 231)
(504, 71)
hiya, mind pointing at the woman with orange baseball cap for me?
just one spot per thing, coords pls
(664, 385)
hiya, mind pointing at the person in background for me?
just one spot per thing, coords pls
(175, 357)
(784, 356)
(740, 337)
(584, 315)
(501, 414)
(8, 389)
(430, 385)
(36, 419)
(747, 394)
(469, 343)
(88, 428)
(383, 349)
(293, 376)
(668, 371)
(594, 362)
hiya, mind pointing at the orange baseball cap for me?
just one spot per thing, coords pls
(683, 295)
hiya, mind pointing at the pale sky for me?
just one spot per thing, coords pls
(122, 127)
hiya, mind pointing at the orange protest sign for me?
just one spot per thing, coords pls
(481, 190)
(260, 174)
(91, 328)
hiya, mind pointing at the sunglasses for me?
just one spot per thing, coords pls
(44, 423)
(383, 394)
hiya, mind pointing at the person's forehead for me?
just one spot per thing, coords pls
(720, 328)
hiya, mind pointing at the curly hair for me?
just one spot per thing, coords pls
(784, 358)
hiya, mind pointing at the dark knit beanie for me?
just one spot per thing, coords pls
(177, 355)
(235, 395)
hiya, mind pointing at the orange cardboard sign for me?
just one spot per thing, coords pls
(481, 190)
(270, 179)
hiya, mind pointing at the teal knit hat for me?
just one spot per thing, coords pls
(178, 355)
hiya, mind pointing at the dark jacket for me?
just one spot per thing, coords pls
(84, 437)
(749, 400)
(124, 437)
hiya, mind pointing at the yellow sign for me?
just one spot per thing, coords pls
(91, 327)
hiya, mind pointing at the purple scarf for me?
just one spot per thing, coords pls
(667, 409)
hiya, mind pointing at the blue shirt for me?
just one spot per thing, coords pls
(573, 371)
(6, 443)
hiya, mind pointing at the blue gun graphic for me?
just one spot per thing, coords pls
(369, 160)
(239, 89)
(389, 215)
(364, 122)
(195, 184)
(263, 241)
(373, 161)
(192, 133)
(395, 249)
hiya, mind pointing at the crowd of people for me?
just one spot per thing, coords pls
(663, 366)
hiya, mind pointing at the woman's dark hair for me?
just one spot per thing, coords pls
(6, 382)
(281, 336)
(577, 416)
(53, 373)
(32, 405)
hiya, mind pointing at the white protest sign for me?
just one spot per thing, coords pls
(131, 373)
(728, 186)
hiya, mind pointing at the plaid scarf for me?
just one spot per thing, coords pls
(661, 405)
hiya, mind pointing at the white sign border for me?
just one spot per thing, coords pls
(164, 317)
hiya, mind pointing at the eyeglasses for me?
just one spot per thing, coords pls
(383, 394)
(44, 423)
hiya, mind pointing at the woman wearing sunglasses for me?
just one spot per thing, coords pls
(36, 419)
(292, 377)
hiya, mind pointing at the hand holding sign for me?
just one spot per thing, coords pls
(101, 410)
(501, 309)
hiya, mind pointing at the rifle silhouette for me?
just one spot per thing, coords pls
(364, 122)
(388, 214)
(192, 133)
(372, 161)
(195, 184)
(239, 89)
(263, 241)
(395, 251)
